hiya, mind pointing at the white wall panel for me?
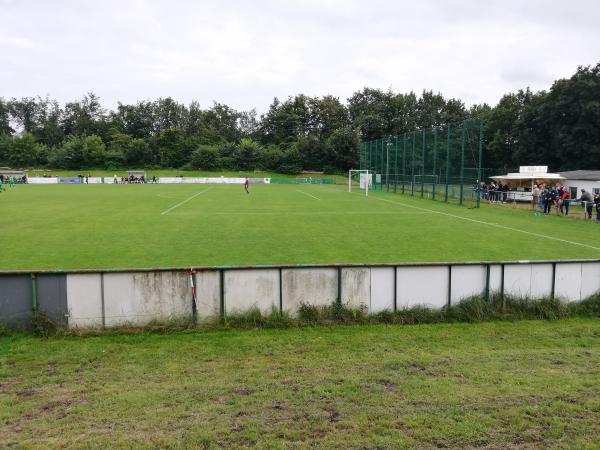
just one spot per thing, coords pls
(247, 289)
(467, 281)
(356, 287)
(568, 281)
(517, 280)
(422, 286)
(208, 294)
(84, 300)
(144, 297)
(541, 281)
(310, 286)
(495, 279)
(382, 289)
(590, 279)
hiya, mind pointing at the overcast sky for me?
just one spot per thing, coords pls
(244, 53)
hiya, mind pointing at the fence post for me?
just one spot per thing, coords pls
(34, 297)
(395, 288)
(370, 153)
(280, 290)
(502, 285)
(388, 144)
(487, 283)
(102, 300)
(553, 281)
(423, 166)
(434, 170)
(412, 170)
(395, 163)
(381, 172)
(339, 287)
(479, 174)
(194, 284)
(449, 302)
(448, 143)
(462, 160)
(222, 293)
(403, 162)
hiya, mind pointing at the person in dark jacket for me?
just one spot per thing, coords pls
(587, 202)
(549, 200)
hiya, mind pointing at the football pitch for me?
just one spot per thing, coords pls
(143, 226)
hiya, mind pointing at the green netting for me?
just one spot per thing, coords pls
(440, 163)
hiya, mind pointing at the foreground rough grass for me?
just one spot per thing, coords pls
(530, 384)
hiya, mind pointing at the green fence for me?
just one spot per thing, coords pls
(440, 163)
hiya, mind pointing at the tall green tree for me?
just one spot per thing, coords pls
(25, 151)
(5, 127)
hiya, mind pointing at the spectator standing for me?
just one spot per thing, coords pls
(565, 201)
(535, 196)
(543, 191)
(587, 202)
(550, 197)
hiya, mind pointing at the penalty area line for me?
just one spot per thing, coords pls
(167, 211)
(483, 222)
(306, 193)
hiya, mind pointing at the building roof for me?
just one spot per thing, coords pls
(521, 176)
(591, 175)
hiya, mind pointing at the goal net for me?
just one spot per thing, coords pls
(360, 179)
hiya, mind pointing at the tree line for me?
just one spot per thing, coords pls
(559, 127)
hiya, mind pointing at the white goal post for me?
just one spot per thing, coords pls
(365, 179)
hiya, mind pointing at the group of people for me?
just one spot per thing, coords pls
(494, 193)
(134, 180)
(11, 181)
(546, 196)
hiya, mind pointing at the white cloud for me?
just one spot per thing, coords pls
(245, 53)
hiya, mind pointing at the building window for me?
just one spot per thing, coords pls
(573, 191)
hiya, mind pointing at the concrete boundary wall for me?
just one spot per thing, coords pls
(103, 299)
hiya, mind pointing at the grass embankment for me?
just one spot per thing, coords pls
(499, 384)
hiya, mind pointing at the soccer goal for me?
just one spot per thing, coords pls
(361, 179)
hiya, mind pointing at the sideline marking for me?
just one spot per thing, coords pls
(490, 224)
(167, 211)
(306, 193)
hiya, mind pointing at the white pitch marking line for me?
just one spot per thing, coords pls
(321, 213)
(306, 193)
(491, 224)
(167, 211)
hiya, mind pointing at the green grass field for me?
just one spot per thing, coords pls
(529, 384)
(124, 226)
